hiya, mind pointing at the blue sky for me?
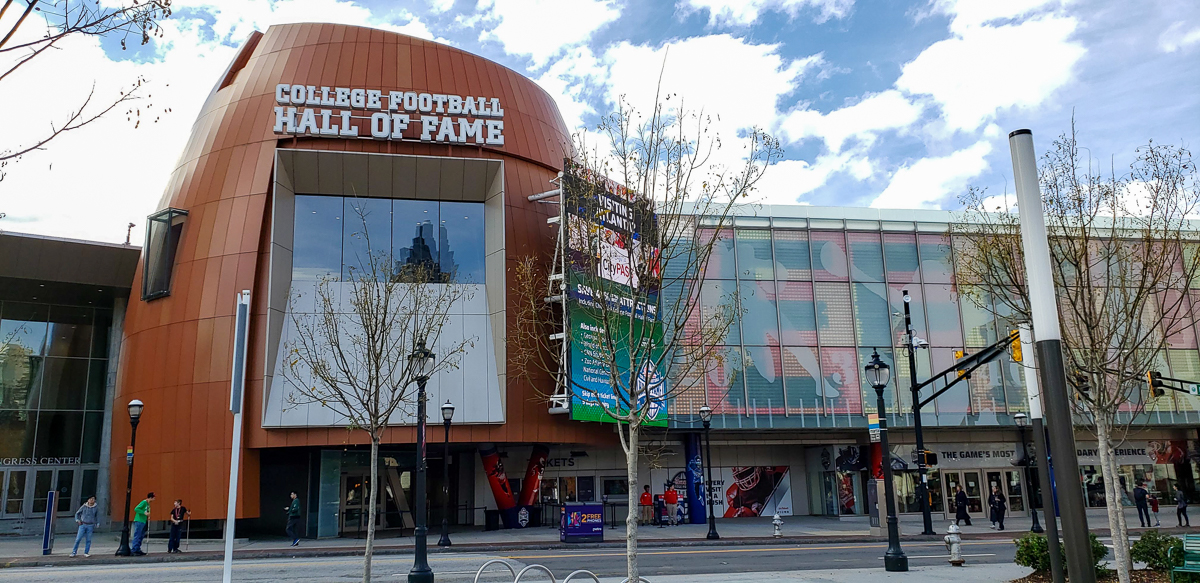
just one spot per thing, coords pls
(885, 103)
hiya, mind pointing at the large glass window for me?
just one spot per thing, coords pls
(460, 241)
(889, 393)
(866, 256)
(936, 263)
(835, 322)
(764, 380)
(723, 380)
(366, 236)
(59, 434)
(900, 250)
(942, 311)
(317, 250)
(916, 306)
(65, 384)
(871, 317)
(797, 313)
(792, 255)
(70, 332)
(23, 327)
(754, 254)
(829, 255)
(953, 405)
(801, 372)
(760, 324)
(721, 262)
(839, 381)
(17, 433)
(163, 232)
(715, 298)
(978, 322)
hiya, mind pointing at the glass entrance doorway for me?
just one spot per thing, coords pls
(971, 484)
(1011, 487)
(355, 504)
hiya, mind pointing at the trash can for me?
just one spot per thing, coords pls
(491, 520)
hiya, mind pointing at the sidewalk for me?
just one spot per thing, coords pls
(26, 551)
(938, 574)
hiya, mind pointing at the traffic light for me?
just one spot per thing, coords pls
(1016, 348)
(958, 355)
(1154, 382)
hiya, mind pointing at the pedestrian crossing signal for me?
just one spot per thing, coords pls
(958, 355)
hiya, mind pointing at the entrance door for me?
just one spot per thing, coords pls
(13, 493)
(355, 503)
(1011, 487)
(972, 485)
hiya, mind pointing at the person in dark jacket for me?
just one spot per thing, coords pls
(960, 505)
(1143, 505)
(293, 520)
(1181, 507)
(998, 505)
(178, 514)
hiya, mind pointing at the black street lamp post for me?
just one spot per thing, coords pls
(706, 417)
(135, 415)
(447, 415)
(911, 344)
(878, 374)
(421, 363)
(1022, 421)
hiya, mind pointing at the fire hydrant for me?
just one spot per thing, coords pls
(954, 545)
(778, 523)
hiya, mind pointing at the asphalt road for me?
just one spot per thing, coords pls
(462, 567)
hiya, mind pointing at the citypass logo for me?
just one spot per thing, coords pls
(333, 112)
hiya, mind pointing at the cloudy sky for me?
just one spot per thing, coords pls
(888, 103)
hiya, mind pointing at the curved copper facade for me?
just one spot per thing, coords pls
(178, 349)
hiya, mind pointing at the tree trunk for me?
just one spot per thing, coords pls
(1112, 497)
(631, 519)
(374, 502)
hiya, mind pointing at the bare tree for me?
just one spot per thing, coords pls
(632, 271)
(24, 39)
(1124, 253)
(351, 354)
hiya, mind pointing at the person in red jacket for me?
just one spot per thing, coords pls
(671, 497)
(646, 506)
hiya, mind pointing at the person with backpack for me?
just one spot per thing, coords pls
(85, 517)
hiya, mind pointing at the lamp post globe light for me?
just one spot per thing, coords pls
(447, 415)
(706, 417)
(878, 373)
(420, 362)
(1021, 420)
(135, 415)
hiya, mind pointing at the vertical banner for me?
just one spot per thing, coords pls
(695, 479)
(501, 491)
(533, 476)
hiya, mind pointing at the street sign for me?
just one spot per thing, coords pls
(1194, 390)
(873, 427)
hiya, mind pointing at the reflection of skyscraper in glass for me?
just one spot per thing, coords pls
(424, 253)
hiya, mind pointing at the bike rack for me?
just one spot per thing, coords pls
(537, 567)
(492, 562)
(581, 573)
(640, 579)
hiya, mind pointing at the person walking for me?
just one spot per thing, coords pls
(1143, 506)
(1181, 507)
(141, 520)
(293, 520)
(960, 507)
(671, 497)
(646, 506)
(1154, 508)
(85, 517)
(998, 505)
(178, 514)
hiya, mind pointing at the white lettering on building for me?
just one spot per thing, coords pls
(346, 112)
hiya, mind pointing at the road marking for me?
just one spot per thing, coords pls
(740, 550)
(946, 556)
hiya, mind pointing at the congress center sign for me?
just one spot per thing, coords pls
(348, 112)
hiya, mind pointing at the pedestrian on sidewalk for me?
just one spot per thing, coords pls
(85, 517)
(646, 506)
(672, 499)
(293, 520)
(998, 505)
(1143, 506)
(1181, 507)
(960, 506)
(141, 520)
(178, 514)
(1154, 508)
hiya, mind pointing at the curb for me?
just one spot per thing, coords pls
(384, 550)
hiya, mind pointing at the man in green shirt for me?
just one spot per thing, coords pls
(141, 519)
(293, 520)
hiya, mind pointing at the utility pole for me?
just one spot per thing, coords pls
(1044, 308)
(923, 485)
(1040, 453)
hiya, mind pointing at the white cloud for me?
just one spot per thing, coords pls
(233, 22)
(983, 69)
(543, 28)
(747, 12)
(928, 180)
(567, 79)
(440, 6)
(862, 121)
(1175, 37)
(966, 14)
(787, 181)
